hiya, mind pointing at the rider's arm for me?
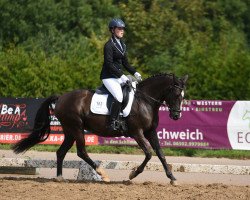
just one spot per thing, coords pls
(126, 64)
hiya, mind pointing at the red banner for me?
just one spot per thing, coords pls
(11, 138)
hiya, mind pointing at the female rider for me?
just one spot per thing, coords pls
(112, 76)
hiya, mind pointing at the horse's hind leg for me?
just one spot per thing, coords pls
(81, 152)
(61, 152)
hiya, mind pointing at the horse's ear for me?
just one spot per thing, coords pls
(185, 78)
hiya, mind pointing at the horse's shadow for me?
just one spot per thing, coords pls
(50, 180)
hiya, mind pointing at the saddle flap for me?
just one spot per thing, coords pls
(125, 90)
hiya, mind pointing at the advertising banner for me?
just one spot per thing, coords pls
(206, 124)
(11, 138)
(17, 119)
(202, 125)
(17, 114)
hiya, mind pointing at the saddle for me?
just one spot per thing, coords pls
(102, 100)
(102, 90)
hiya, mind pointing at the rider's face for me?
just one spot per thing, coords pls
(119, 32)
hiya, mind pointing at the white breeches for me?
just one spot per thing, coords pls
(114, 87)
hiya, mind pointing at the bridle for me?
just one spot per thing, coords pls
(158, 101)
(170, 107)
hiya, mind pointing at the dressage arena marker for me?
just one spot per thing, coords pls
(16, 166)
(87, 173)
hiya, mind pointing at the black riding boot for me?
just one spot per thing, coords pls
(114, 115)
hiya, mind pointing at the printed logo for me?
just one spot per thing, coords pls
(238, 126)
(246, 116)
(13, 115)
(55, 124)
(98, 104)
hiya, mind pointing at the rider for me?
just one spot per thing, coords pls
(112, 75)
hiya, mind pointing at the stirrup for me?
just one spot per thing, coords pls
(114, 125)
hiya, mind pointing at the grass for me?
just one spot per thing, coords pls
(225, 153)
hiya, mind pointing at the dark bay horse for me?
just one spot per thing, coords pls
(73, 111)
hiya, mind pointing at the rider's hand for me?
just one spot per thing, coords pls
(124, 78)
(138, 76)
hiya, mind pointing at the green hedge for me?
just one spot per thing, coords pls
(50, 46)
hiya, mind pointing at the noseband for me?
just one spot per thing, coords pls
(169, 95)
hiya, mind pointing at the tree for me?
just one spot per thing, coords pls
(49, 46)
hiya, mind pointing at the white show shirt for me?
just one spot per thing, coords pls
(119, 42)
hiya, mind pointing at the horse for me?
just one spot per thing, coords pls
(73, 111)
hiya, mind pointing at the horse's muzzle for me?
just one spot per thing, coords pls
(175, 115)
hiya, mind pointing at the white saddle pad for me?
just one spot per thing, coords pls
(99, 103)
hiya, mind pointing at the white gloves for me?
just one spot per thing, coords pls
(138, 76)
(124, 78)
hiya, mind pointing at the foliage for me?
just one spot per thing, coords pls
(53, 46)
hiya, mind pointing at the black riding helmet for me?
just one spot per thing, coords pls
(116, 23)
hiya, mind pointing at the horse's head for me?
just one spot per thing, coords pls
(164, 87)
(174, 96)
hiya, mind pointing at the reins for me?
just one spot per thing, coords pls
(153, 99)
(149, 97)
(146, 95)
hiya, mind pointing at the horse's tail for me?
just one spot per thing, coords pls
(41, 127)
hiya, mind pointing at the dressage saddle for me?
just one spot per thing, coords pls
(125, 90)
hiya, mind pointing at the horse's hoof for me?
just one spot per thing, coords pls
(103, 174)
(59, 179)
(100, 171)
(132, 175)
(174, 183)
(106, 179)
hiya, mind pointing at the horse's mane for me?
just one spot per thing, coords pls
(145, 81)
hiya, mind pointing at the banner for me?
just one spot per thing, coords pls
(206, 124)
(17, 114)
(17, 117)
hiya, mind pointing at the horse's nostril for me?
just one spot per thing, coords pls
(173, 116)
(176, 117)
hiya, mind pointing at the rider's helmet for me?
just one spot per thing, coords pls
(116, 23)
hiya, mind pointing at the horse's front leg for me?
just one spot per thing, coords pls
(142, 142)
(154, 142)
